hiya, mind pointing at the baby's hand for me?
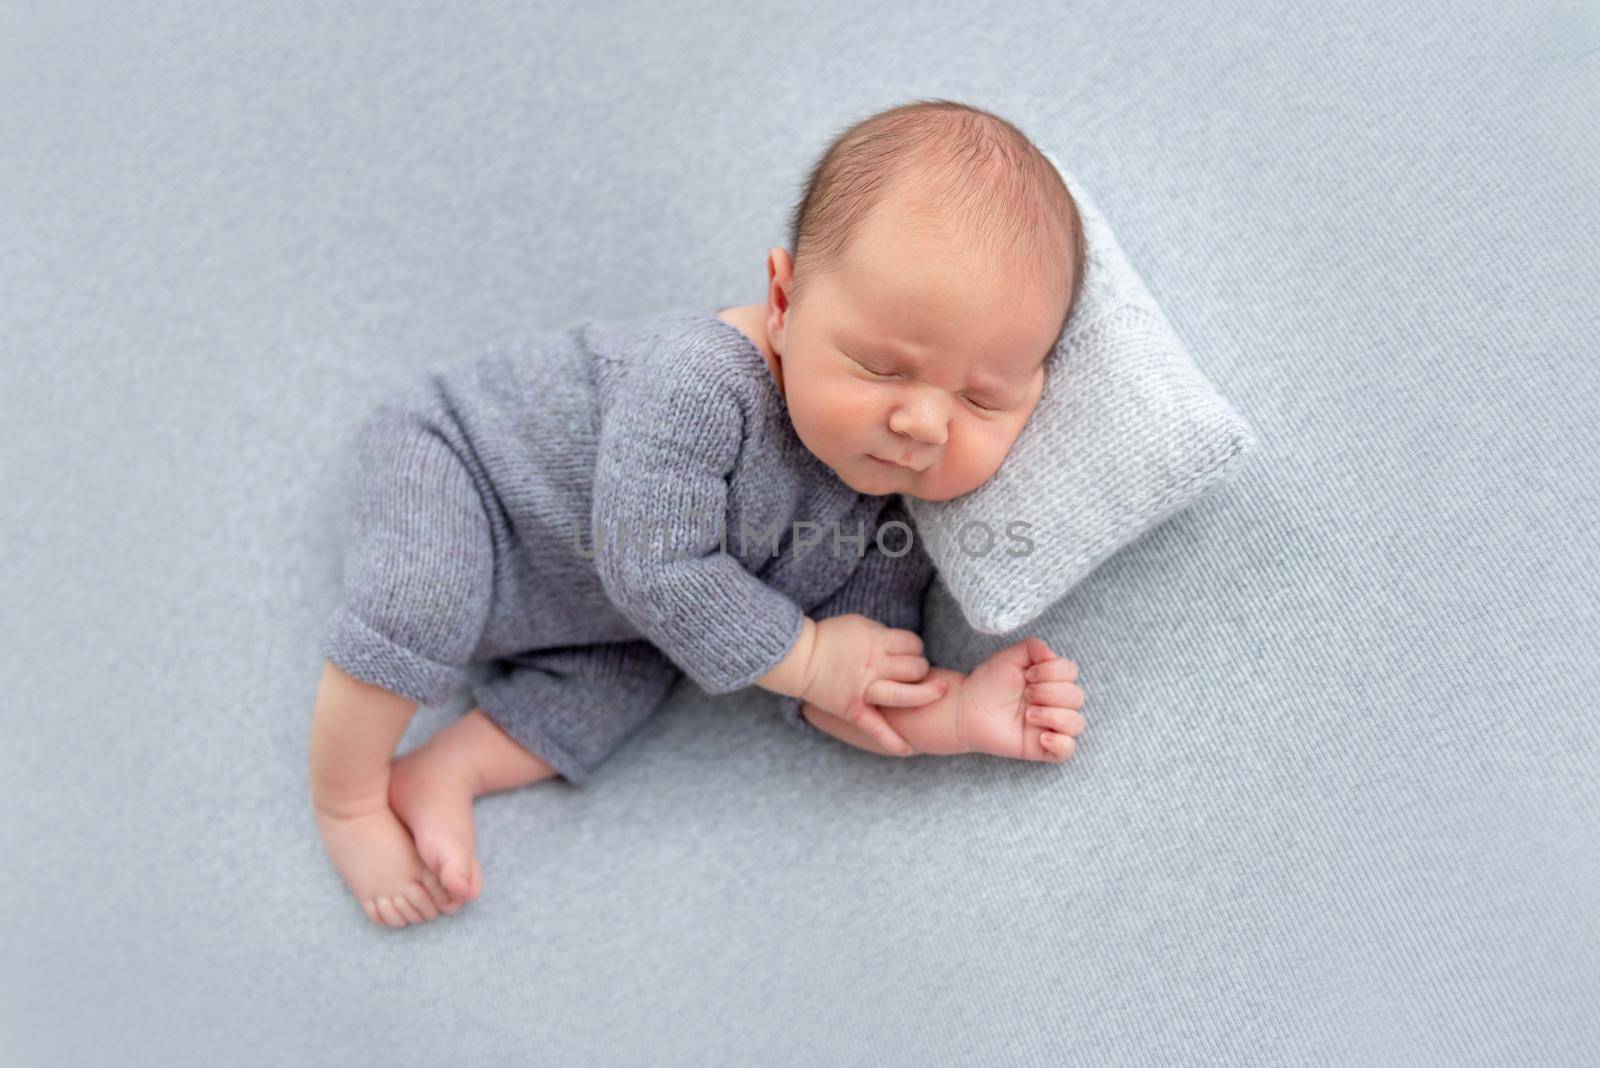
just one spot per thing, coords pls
(859, 667)
(1022, 702)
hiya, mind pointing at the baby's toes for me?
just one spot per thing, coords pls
(421, 901)
(456, 875)
(404, 906)
(442, 898)
(447, 859)
(388, 912)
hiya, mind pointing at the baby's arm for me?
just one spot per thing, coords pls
(929, 728)
(887, 587)
(1024, 702)
(852, 667)
(667, 448)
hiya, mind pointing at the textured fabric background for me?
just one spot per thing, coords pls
(1336, 802)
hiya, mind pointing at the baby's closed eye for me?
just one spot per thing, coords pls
(986, 404)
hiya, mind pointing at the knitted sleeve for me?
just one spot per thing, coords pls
(885, 586)
(666, 448)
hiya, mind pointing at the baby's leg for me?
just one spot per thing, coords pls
(539, 714)
(418, 578)
(354, 730)
(433, 786)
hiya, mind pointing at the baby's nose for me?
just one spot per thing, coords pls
(924, 422)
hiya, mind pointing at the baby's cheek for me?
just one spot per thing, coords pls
(968, 462)
(856, 414)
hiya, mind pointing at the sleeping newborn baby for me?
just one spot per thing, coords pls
(593, 513)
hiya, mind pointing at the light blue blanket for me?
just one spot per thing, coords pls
(1336, 803)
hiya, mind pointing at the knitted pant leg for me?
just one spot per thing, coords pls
(419, 561)
(575, 706)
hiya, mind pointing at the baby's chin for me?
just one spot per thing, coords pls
(932, 495)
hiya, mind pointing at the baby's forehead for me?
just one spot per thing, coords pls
(964, 273)
(996, 319)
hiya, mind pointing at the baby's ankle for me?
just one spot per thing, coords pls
(349, 799)
(436, 763)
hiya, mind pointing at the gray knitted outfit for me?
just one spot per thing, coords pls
(591, 513)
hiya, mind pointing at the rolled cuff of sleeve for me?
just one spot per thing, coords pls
(370, 656)
(745, 651)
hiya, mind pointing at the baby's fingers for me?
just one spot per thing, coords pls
(1061, 694)
(1066, 721)
(902, 642)
(1058, 669)
(891, 694)
(905, 668)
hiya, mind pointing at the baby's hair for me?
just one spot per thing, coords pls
(970, 165)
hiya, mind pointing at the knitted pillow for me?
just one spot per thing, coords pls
(1127, 432)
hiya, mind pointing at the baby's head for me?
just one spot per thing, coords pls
(937, 256)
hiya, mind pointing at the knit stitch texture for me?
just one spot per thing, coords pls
(629, 500)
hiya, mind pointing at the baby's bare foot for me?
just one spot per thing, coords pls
(374, 855)
(432, 789)
(433, 786)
